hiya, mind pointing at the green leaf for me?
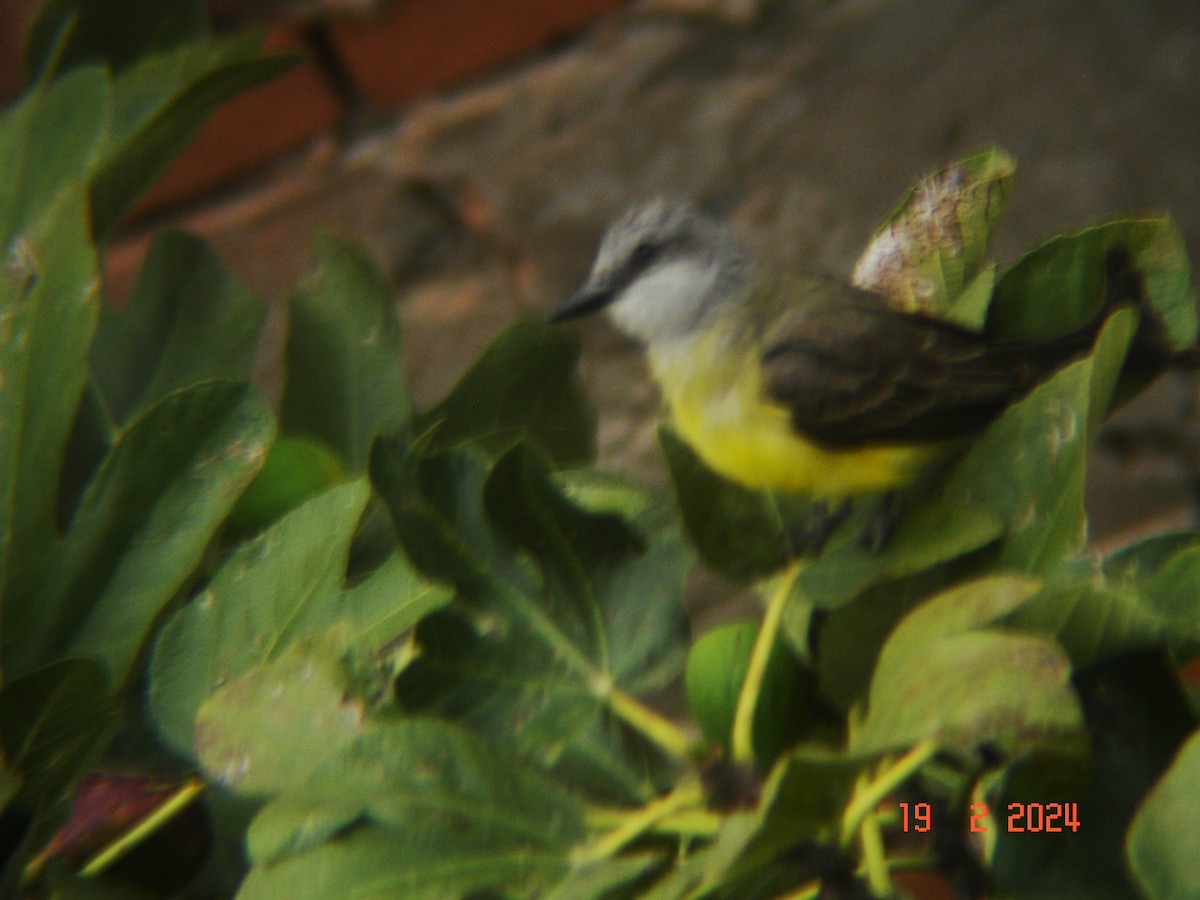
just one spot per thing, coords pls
(932, 533)
(435, 862)
(1092, 622)
(114, 32)
(345, 375)
(970, 308)
(1028, 467)
(269, 728)
(293, 823)
(284, 584)
(390, 601)
(48, 309)
(48, 144)
(1163, 845)
(972, 689)
(1143, 560)
(188, 320)
(942, 675)
(1071, 269)
(1164, 570)
(143, 526)
(739, 532)
(933, 246)
(1096, 618)
(526, 384)
(53, 723)
(443, 813)
(560, 602)
(158, 106)
(436, 504)
(847, 639)
(980, 603)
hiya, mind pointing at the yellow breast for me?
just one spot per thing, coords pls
(717, 403)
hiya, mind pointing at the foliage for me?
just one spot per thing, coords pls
(426, 675)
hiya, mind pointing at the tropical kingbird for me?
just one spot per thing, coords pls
(801, 383)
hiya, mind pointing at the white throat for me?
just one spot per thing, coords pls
(669, 301)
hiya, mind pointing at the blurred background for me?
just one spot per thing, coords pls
(478, 147)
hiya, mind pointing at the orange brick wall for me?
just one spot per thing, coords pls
(413, 47)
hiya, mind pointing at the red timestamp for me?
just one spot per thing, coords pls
(1022, 817)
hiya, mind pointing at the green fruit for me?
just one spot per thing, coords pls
(295, 470)
(716, 668)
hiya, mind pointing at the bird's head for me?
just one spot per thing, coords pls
(663, 271)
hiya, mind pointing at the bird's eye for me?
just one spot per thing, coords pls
(644, 254)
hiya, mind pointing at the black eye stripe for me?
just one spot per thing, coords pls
(644, 255)
(642, 258)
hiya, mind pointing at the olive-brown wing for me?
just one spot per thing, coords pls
(857, 372)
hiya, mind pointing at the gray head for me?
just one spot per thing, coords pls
(663, 271)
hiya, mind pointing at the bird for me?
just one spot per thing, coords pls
(800, 383)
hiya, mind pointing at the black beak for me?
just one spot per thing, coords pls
(582, 302)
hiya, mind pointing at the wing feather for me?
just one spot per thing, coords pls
(853, 371)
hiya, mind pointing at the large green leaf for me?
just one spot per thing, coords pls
(439, 811)
(47, 315)
(48, 144)
(345, 375)
(844, 642)
(114, 32)
(526, 384)
(1092, 620)
(932, 248)
(268, 729)
(1028, 467)
(562, 601)
(943, 674)
(188, 320)
(1164, 840)
(970, 690)
(1071, 270)
(1143, 597)
(1164, 571)
(158, 106)
(434, 862)
(285, 586)
(48, 308)
(698, 872)
(143, 526)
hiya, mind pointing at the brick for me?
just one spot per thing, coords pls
(15, 18)
(419, 46)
